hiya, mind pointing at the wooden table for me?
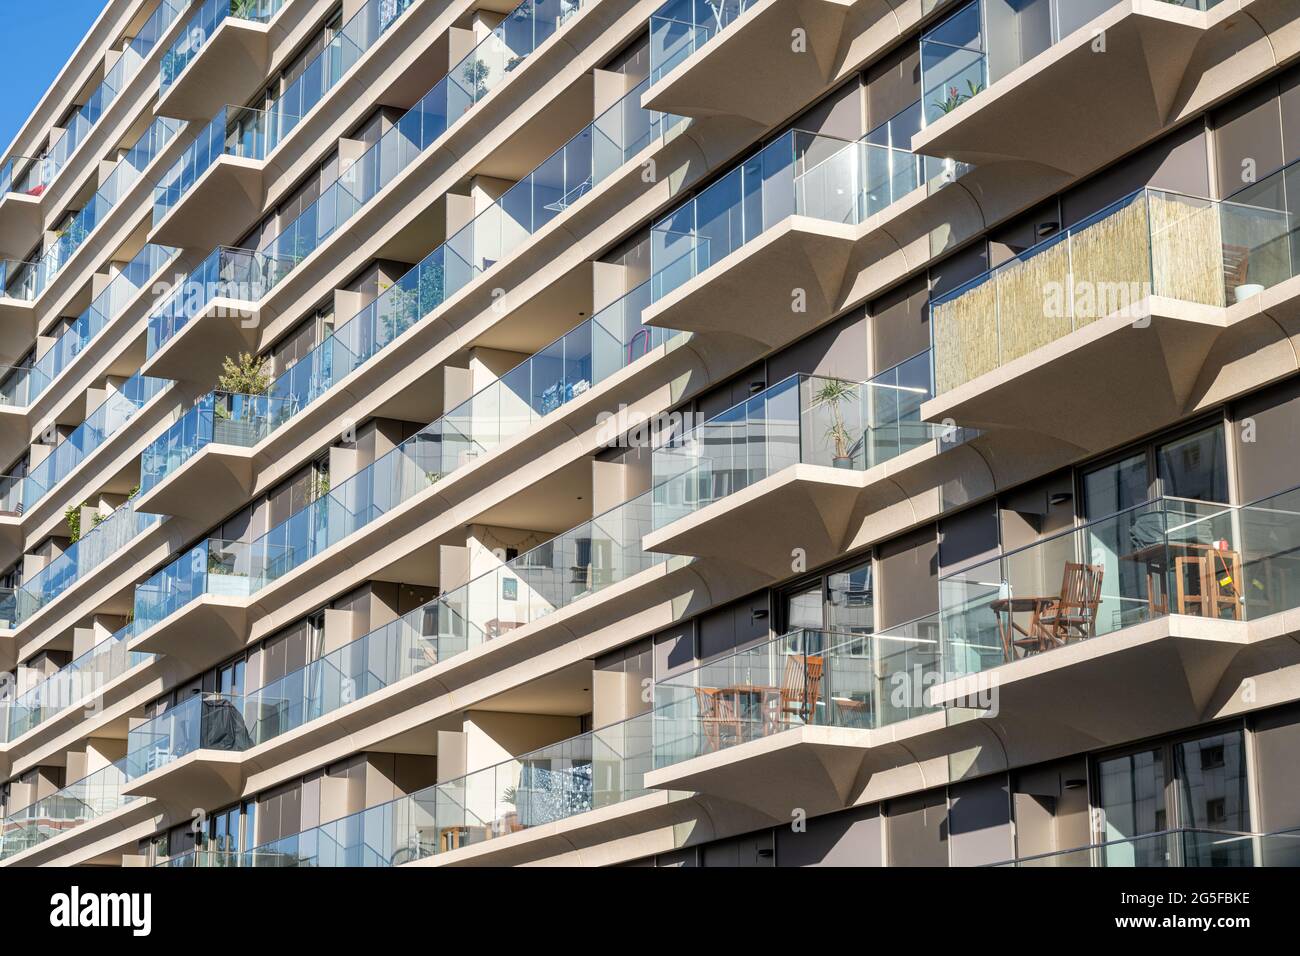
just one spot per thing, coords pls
(1007, 608)
(1160, 558)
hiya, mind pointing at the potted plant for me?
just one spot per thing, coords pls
(832, 393)
(244, 375)
(955, 97)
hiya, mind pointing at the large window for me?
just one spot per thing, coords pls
(839, 600)
(1192, 465)
(1178, 803)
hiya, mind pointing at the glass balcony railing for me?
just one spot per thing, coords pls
(966, 52)
(221, 417)
(92, 796)
(215, 567)
(840, 678)
(95, 547)
(235, 274)
(1151, 242)
(1170, 555)
(15, 386)
(33, 177)
(11, 496)
(798, 174)
(8, 605)
(18, 280)
(22, 386)
(597, 769)
(116, 410)
(477, 74)
(124, 175)
(805, 419)
(201, 27)
(573, 565)
(1178, 848)
(241, 132)
(331, 64)
(418, 128)
(498, 413)
(203, 722)
(587, 159)
(680, 27)
(75, 682)
(806, 677)
(23, 175)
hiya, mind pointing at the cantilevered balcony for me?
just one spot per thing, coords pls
(17, 316)
(11, 512)
(87, 228)
(807, 713)
(196, 608)
(96, 549)
(800, 464)
(83, 681)
(212, 314)
(25, 392)
(221, 56)
(22, 181)
(766, 251)
(206, 459)
(699, 51)
(1158, 611)
(1034, 67)
(25, 180)
(614, 338)
(215, 189)
(97, 797)
(598, 785)
(189, 755)
(476, 76)
(202, 465)
(369, 22)
(419, 128)
(24, 387)
(1144, 289)
(543, 790)
(109, 417)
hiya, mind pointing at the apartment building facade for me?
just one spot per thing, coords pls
(679, 432)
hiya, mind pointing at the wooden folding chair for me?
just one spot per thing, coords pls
(718, 718)
(1074, 614)
(800, 686)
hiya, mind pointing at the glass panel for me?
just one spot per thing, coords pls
(1212, 790)
(1195, 466)
(1132, 803)
(1116, 487)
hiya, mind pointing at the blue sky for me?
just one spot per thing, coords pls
(38, 38)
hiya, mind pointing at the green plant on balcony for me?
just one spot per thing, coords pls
(72, 518)
(244, 9)
(399, 310)
(955, 97)
(245, 374)
(831, 395)
(476, 75)
(217, 563)
(320, 486)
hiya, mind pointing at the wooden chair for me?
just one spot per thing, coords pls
(799, 687)
(718, 718)
(1236, 266)
(1074, 614)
